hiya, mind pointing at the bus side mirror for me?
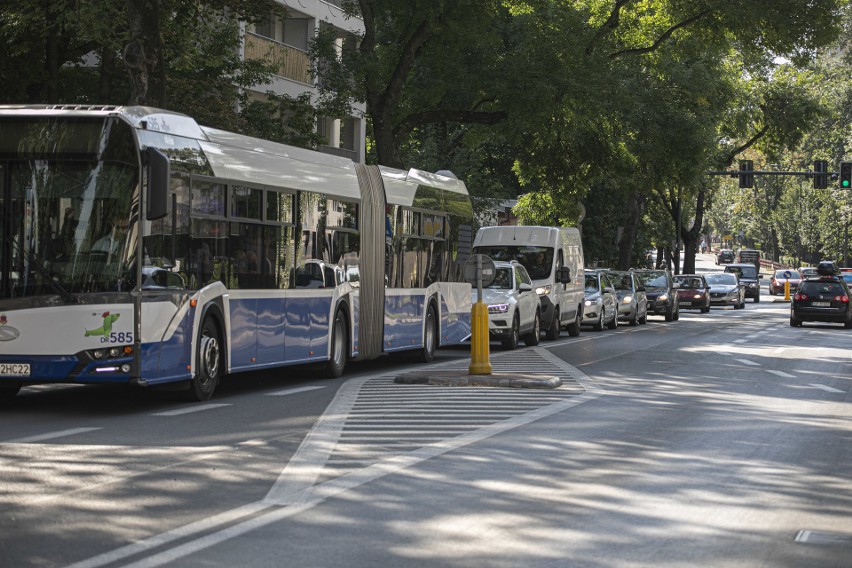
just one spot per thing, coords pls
(158, 173)
(563, 275)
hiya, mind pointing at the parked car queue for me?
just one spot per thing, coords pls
(611, 298)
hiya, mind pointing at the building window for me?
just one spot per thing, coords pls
(266, 28)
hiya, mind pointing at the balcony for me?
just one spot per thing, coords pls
(290, 62)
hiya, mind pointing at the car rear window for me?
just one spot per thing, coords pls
(822, 288)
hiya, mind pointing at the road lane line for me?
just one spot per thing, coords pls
(282, 503)
(781, 374)
(285, 392)
(825, 388)
(190, 409)
(50, 435)
(747, 362)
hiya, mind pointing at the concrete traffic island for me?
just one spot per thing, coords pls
(463, 379)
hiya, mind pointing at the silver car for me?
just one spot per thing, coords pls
(514, 308)
(632, 302)
(725, 290)
(601, 305)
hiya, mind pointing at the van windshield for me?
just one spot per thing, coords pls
(537, 260)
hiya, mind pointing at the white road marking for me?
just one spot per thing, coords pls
(285, 392)
(825, 388)
(283, 501)
(190, 409)
(747, 362)
(50, 435)
(781, 374)
(740, 341)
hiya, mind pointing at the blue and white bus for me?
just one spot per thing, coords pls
(139, 247)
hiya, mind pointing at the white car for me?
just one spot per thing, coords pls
(514, 308)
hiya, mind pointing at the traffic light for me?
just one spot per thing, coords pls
(845, 175)
(820, 174)
(745, 175)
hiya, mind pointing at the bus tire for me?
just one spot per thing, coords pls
(339, 340)
(8, 390)
(430, 337)
(209, 359)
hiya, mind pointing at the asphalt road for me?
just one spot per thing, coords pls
(718, 440)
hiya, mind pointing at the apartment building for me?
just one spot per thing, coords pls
(285, 42)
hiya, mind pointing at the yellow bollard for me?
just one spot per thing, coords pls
(479, 346)
(787, 290)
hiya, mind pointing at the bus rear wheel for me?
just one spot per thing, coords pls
(208, 362)
(339, 341)
(430, 337)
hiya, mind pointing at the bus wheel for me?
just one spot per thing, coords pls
(430, 337)
(8, 390)
(208, 362)
(339, 341)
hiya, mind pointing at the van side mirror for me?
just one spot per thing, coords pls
(563, 275)
(158, 172)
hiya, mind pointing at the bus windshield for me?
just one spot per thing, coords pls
(67, 207)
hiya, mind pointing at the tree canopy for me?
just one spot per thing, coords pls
(605, 111)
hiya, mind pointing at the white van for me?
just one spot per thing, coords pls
(553, 256)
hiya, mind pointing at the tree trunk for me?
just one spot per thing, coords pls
(690, 237)
(636, 206)
(143, 54)
(51, 61)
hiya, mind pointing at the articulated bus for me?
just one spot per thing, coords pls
(139, 247)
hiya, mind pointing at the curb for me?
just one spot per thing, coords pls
(463, 379)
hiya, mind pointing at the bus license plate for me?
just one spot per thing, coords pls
(14, 369)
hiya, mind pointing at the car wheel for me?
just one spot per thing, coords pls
(644, 319)
(555, 329)
(534, 336)
(599, 325)
(847, 324)
(632, 322)
(757, 299)
(574, 327)
(669, 313)
(794, 321)
(511, 343)
(614, 323)
(676, 315)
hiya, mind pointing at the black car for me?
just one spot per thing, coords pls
(660, 293)
(824, 299)
(749, 279)
(725, 256)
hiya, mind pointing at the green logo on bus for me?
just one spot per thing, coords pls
(106, 328)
